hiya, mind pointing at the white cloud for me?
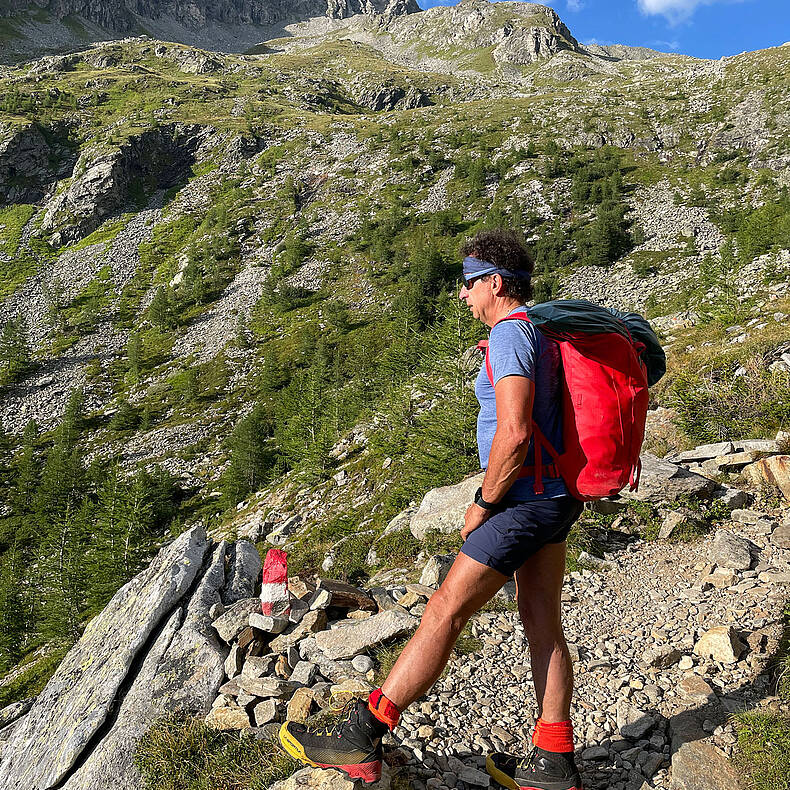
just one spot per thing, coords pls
(675, 10)
(574, 5)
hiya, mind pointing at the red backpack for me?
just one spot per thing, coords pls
(605, 396)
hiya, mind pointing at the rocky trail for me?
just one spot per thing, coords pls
(668, 640)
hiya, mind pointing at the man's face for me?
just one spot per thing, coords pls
(476, 296)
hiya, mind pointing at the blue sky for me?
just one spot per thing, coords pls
(703, 28)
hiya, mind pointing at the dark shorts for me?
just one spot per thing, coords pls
(512, 535)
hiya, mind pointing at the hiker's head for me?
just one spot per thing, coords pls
(500, 263)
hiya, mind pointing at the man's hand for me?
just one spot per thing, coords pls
(475, 516)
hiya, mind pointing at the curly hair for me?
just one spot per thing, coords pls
(505, 249)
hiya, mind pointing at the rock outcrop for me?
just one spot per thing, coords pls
(150, 652)
(105, 180)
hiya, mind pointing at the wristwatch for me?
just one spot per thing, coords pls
(480, 502)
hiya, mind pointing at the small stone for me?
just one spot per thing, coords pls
(265, 712)
(730, 551)
(267, 687)
(362, 663)
(228, 718)
(234, 620)
(781, 536)
(595, 753)
(409, 599)
(436, 569)
(632, 722)
(300, 705)
(693, 687)
(321, 599)
(686, 663)
(426, 732)
(259, 666)
(721, 644)
(304, 672)
(271, 625)
(661, 657)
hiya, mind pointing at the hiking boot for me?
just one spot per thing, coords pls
(352, 744)
(541, 770)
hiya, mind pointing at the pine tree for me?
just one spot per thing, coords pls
(12, 614)
(160, 311)
(134, 353)
(250, 459)
(14, 351)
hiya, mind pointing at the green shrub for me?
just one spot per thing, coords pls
(178, 754)
(764, 749)
(31, 682)
(715, 405)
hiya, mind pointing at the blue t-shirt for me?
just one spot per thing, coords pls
(517, 348)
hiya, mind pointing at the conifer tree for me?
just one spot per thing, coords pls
(160, 311)
(14, 351)
(12, 614)
(134, 353)
(250, 458)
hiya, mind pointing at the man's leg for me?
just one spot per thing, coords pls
(551, 764)
(539, 584)
(468, 586)
(353, 744)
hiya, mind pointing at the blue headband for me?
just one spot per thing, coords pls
(474, 267)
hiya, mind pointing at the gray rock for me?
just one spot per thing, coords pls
(87, 681)
(632, 722)
(336, 671)
(111, 764)
(595, 753)
(265, 712)
(244, 573)
(259, 666)
(661, 657)
(362, 663)
(234, 661)
(705, 451)
(436, 569)
(443, 508)
(230, 624)
(271, 625)
(304, 672)
(15, 711)
(698, 765)
(731, 497)
(730, 551)
(189, 675)
(354, 639)
(663, 481)
(720, 643)
(267, 687)
(781, 536)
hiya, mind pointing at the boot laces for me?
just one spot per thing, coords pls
(527, 764)
(346, 714)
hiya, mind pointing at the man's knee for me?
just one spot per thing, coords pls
(444, 610)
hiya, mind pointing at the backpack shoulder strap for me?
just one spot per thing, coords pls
(521, 316)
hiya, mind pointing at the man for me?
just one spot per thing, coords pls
(509, 530)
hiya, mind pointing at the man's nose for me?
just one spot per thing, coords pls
(462, 294)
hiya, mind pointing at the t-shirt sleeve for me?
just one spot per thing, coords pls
(513, 350)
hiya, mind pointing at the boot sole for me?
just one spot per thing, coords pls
(367, 772)
(512, 784)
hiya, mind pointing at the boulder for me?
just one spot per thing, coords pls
(235, 619)
(663, 481)
(781, 536)
(267, 687)
(443, 508)
(270, 625)
(436, 569)
(703, 452)
(245, 571)
(773, 471)
(15, 711)
(721, 644)
(354, 639)
(265, 712)
(336, 671)
(699, 765)
(730, 551)
(86, 684)
(300, 705)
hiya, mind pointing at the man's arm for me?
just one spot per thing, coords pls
(514, 398)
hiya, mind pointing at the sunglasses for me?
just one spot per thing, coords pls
(471, 279)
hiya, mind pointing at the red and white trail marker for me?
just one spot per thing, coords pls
(274, 589)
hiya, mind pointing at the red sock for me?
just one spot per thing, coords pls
(383, 708)
(553, 736)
